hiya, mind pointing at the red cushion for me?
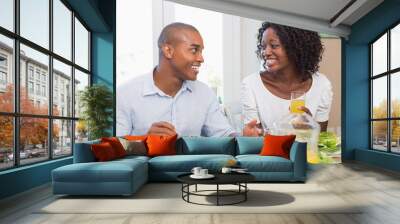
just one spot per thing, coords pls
(103, 151)
(275, 145)
(159, 145)
(116, 145)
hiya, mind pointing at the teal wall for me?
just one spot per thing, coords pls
(24, 178)
(356, 92)
(99, 16)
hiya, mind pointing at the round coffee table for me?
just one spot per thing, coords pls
(238, 179)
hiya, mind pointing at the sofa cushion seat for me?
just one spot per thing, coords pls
(257, 163)
(185, 163)
(113, 171)
(118, 177)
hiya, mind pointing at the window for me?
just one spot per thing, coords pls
(37, 74)
(30, 72)
(62, 74)
(3, 72)
(62, 29)
(30, 87)
(7, 14)
(224, 65)
(44, 91)
(53, 125)
(3, 78)
(3, 61)
(385, 94)
(34, 21)
(6, 80)
(81, 45)
(38, 89)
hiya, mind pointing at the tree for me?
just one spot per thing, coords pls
(33, 130)
(380, 127)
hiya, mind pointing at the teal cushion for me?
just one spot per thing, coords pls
(206, 145)
(185, 163)
(257, 163)
(249, 145)
(111, 171)
(83, 152)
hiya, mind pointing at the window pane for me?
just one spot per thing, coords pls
(395, 94)
(134, 52)
(33, 139)
(35, 21)
(379, 55)
(62, 89)
(395, 138)
(81, 45)
(6, 142)
(395, 47)
(62, 29)
(34, 78)
(81, 81)
(379, 135)
(379, 98)
(7, 14)
(6, 74)
(81, 131)
(212, 68)
(62, 136)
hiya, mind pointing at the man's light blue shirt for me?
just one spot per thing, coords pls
(194, 110)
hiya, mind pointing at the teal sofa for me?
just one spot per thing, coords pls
(125, 176)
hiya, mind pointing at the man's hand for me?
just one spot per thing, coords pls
(252, 129)
(162, 128)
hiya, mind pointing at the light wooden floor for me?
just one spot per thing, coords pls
(378, 188)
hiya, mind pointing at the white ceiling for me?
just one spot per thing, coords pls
(318, 15)
(320, 9)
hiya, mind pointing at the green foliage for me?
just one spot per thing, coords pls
(328, 142)
(96, 102)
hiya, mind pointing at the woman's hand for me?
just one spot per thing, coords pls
(305, 109)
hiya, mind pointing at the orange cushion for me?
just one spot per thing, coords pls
(158, 145)
(103, 151)
(275, 145)
(116, 145)
(136, 137)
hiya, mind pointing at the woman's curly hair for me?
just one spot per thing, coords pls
(303, 47)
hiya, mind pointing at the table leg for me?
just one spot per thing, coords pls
(245, 191)
(217, 194)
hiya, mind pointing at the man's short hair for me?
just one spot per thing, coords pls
(167, 33)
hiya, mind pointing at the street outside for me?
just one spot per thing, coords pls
(29, 156)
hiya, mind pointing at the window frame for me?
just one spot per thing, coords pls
(388, 74)
(16, 114)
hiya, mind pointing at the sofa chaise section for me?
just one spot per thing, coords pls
(87, 177)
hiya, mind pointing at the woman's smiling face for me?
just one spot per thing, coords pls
(273, 52)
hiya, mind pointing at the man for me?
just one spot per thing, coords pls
(169, 100)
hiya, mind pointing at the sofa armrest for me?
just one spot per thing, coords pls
(298, 155)
(83, 152)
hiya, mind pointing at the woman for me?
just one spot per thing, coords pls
(290, 63)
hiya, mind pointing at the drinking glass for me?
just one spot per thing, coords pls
(297, 99)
